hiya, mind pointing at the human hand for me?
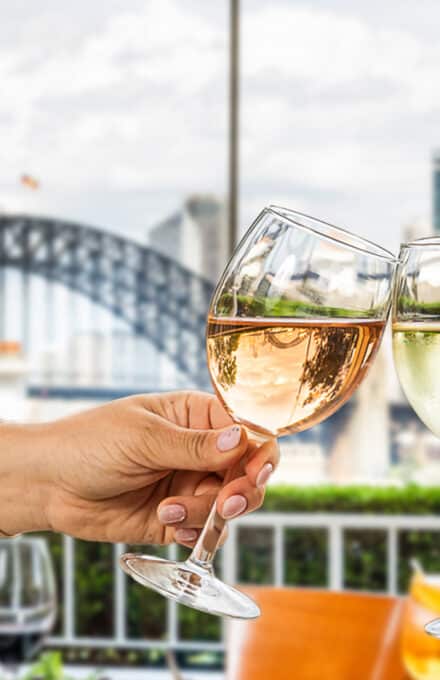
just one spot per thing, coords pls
(146, 469)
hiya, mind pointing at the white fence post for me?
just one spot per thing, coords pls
(392, 560)
(335, 557)
(119, 589)
(173, 614)
(68, 582)
(278, 555)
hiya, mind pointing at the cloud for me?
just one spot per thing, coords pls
(340, 107)
(325, 49)
(121, 109)
(135, 103)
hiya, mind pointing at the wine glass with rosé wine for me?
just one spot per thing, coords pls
(294, 324)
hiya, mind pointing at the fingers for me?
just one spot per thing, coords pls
(186, 511)
(239, 497)
(193, 509)
(246, 494)
(262, 462)
(188, 537)
(181, 448)
(184, 515)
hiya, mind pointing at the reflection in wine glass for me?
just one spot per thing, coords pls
(294, 323)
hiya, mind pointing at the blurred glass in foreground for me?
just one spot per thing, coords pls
(27, 597)
(421, 652)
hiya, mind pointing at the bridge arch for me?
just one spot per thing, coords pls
(157, 297)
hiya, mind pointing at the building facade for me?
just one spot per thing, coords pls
(436, 192)
(196, 236)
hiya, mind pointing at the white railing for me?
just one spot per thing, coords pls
(334, 524)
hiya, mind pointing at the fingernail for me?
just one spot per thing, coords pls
(264, 475)
(185, 535)
(172, 513)
(234, 506)
(229, 439)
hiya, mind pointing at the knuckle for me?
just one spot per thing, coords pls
(274, 449)
(197, 448)
(259, 499)
(156, 534)
(276, 461)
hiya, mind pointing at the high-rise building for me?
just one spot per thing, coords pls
(436, 191)
(361, 452)
(417, 228)
(195, 236)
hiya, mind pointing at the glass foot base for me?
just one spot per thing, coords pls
(189, 584)
(433, 628)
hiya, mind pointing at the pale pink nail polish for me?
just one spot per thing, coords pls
(263, 475)
(234, 506)
(186, 535)
(172, 513)
(229, 439)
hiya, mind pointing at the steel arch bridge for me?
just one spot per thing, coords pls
(157, 297)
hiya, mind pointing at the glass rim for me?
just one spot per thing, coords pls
(425, 242)
(347, 238)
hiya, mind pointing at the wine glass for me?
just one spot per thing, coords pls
(294, 323)
(416, 335)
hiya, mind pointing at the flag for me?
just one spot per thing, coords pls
(29, 182)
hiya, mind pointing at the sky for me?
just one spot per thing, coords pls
(120, 109)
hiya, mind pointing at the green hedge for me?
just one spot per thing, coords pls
(408, 500)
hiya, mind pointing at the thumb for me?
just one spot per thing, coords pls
(205, 450)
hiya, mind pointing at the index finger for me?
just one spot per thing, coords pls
(262, 463)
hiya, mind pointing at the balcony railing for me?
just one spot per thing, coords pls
(334, 526)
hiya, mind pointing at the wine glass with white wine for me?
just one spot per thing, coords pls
(416, 335)
(293, 326)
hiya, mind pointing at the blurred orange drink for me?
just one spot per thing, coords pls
(420, 651)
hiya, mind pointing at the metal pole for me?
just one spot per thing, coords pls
(2, 302)
(50, 331)
(26, 310)
(234, 69)
(436, 192)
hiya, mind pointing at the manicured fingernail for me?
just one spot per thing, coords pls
(229, 439)
(185, 535)
(234, 506)
(264, 475)
(172, 513)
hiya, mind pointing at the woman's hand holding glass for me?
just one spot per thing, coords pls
(294, 323)
(145, 469)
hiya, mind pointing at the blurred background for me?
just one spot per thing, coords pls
(138, 141)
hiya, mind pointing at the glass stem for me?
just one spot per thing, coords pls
(206, 547)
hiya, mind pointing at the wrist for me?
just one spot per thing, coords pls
(25, 474)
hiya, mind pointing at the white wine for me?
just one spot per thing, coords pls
(284, 375)
(417, 357)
